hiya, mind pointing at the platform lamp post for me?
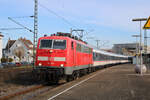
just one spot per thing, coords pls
(145, 46)
(137, 46)
(140, 20)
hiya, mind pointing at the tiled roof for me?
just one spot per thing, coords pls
(27, 43)
(10, 43)
(1, 35)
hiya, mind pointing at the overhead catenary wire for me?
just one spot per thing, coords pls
(11, 29)
(21, 25)
(23, 17)
(59, 16)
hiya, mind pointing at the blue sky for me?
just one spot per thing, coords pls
(108, 20)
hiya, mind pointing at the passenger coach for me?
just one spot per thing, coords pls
(102, 58)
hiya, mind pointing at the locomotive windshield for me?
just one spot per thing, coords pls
(52, 44)
(46, 44)
(59, 44)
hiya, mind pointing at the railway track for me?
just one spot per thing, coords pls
(6, 97)
(30, 92)
(22, 81)
(36, 89)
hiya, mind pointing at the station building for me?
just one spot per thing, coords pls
(128, 49)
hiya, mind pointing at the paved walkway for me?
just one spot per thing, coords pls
(115, 83)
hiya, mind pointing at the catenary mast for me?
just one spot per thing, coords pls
(35, 29)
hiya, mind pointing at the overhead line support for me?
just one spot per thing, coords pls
(35, 30)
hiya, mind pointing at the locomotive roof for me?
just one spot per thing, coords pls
(65, 37)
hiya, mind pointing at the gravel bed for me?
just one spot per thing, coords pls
(13, 80)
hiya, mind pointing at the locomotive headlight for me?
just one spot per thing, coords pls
(51, 51)
(61, 65)
(40, 64)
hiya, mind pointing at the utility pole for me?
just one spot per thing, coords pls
(71, 31)
(140, 20)
(35, 30)
(145, 46)
(97, 42)
(145, 41)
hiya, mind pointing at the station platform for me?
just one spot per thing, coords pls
(114, 83)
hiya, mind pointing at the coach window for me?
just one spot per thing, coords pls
(72, 45)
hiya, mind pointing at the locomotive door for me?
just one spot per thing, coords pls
(73, 53)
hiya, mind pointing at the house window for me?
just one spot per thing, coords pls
(18, 45)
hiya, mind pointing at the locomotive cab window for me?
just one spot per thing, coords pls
(45, 44)
(52, 44)
(59, 44)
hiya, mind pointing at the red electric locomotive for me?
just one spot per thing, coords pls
(62, 55)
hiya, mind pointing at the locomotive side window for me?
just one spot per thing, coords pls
(86, 49)
(78, 48)
(90, 50)
(59, 44)
(46, 44)
(83, 48)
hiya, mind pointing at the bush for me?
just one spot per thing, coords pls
(10, 59)
(3, 60)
